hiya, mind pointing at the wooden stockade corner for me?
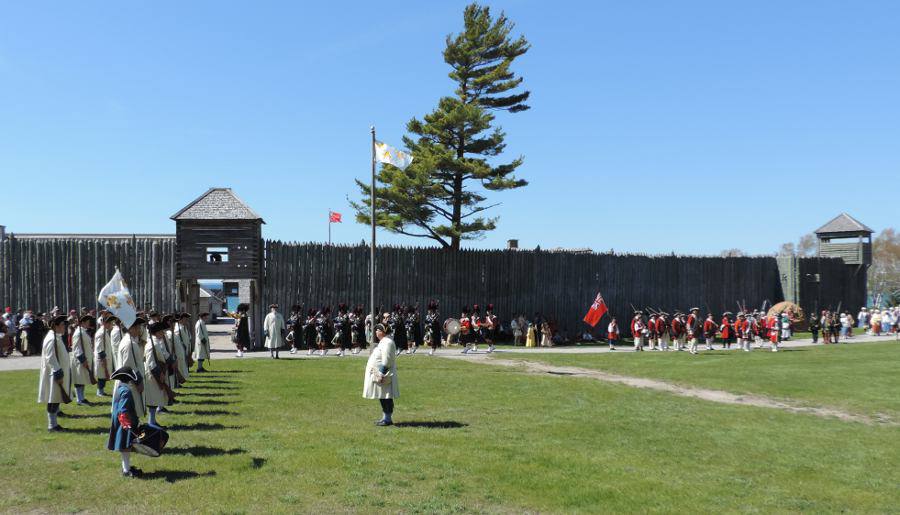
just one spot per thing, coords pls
(68, 272)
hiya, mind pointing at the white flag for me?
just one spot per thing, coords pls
(387, 154)
(116, 298)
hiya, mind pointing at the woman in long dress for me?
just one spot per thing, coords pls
(380, 378)
(531, 339)
(242, 330)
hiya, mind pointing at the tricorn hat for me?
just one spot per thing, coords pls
(125, 374)
(157, 327)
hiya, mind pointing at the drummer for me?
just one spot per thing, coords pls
(124, 423)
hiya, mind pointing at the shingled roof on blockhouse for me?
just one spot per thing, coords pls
(844, 223)
(217, 204)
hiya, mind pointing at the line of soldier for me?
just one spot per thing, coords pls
(687, 331)
(161, 349)
(349, 330)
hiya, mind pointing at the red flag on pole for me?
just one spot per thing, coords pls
(334, 218)
(598, 309)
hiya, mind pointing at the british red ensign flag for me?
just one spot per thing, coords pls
(598, 309)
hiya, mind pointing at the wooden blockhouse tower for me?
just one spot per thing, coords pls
(218, 236)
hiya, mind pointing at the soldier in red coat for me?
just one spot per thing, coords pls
(743, 331)
(651, 332)
(637, 331)
(726, 330)
(662, 331)
(694, 329)
(709, 331)
(678, 331)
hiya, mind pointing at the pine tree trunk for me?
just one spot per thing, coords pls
(456, 223)
(457, 210)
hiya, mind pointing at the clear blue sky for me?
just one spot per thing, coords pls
(656, 126)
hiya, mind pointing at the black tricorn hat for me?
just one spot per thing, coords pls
(204, 314)
(85, 318)
(138, 321)
(156, 327)
(125, 374)
(58, 319)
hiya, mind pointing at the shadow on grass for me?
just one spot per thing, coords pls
(98, 415)
(199, 426)
(205, 412)
(202, 451)
(201, 394)
(205, 403)
(220, 372)
(173, 476)
(86, 430)
(258, 463)
(432, 424)
(209, 381)
(202, 386)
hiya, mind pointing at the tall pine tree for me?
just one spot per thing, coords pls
(437, 196)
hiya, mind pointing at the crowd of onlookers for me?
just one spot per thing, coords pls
(23, 331)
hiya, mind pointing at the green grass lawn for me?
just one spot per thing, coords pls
(288, 436)
(862, 378)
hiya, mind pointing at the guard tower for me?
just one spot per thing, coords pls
(217, 236)
(847, 238)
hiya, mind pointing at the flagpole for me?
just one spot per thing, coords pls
(329, 227)
(372, 248)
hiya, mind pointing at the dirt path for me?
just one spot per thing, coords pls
(685, 391)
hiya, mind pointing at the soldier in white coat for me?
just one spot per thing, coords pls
(201, 341)
(181, 338)
(131, 354)
(55, 384)
(273, 326)
(157, 392)
(380, 379)
(103, 354)
(82, 358)
(115, 339)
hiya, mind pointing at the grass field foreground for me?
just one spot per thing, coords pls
(295, 435)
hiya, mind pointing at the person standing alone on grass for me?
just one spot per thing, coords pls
(380, 379)
(274, 331)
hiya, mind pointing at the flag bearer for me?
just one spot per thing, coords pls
(55, 382)
(82, 358)
(131, 355)
(103, 354)
(201, 341)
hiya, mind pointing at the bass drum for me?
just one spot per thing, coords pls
(150, 441)
(452, 326)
